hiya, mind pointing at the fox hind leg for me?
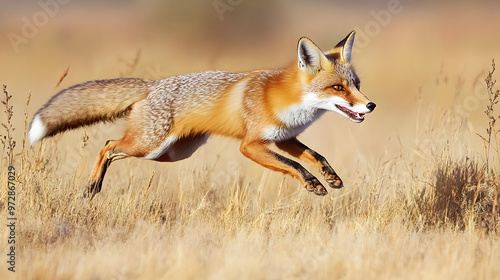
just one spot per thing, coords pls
(109, 153)
(172, 149)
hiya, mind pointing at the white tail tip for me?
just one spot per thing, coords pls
(37, 130)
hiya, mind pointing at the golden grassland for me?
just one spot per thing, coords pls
(422, 186)
(423, 218)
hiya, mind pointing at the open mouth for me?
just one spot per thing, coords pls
(356, 117)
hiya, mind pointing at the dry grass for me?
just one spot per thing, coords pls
(422, 188)
(403, 219)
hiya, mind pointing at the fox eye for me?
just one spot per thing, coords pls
(358, 85)
(338, 87)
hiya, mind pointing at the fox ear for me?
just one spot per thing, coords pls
(346, 47)
(310, 56)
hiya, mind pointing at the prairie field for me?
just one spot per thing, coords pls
(421, 173)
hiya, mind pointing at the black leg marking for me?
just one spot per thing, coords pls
(312, 183)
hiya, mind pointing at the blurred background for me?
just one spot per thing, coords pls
(422, 62)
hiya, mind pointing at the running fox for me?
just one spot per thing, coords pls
(169, 119)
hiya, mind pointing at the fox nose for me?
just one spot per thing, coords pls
(371, 106)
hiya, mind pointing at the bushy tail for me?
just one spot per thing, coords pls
(88, 103)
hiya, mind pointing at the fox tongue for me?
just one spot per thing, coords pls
(350, 113)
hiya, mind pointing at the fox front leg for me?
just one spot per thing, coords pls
(297, 149)
(331, 176)
(260, 153)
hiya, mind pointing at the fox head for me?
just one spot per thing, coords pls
(329, 80)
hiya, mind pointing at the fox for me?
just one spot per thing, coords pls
(168, 120)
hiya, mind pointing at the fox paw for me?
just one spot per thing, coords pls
(91, 189)
(332, 178)
(313, 185)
